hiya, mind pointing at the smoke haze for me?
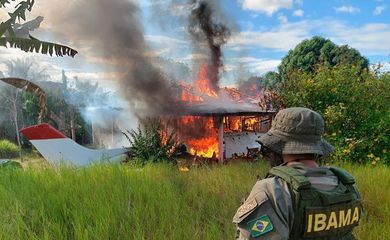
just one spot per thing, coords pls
(113, 33)
(112, 29)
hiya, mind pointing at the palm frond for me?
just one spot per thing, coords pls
(21, 8)
(6, 26)
(31, 88)
(4, 2)
(34, 45)
(19, 13)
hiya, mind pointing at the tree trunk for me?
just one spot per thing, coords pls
(15, 116)
(93, 132)
(59, 120)
(72, 125)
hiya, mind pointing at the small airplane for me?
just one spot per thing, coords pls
(58, 149)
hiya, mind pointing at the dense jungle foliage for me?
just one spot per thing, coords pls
(353, 99)
(356, 109)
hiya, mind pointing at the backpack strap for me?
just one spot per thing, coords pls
(348, 181)
(343, 176)
(292, 176)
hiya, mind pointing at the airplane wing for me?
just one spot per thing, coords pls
(58, 149)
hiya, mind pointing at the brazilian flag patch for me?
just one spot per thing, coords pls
(260, 226)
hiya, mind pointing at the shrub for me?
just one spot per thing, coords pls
(8, 149)
(151, 143)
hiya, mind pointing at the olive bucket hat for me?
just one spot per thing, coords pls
(297, 131)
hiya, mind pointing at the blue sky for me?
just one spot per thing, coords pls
(263, 32)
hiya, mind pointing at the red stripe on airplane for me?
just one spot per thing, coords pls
(41, 132)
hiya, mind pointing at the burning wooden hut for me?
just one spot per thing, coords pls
(222, 132)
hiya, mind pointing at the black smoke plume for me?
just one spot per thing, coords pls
(114, 34)
(204, 29)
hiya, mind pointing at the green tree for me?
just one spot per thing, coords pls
(10, 99)
(9, 37)
(356, 109)
(318, 51)
(82, 95)
(272, 80)
(68, 99)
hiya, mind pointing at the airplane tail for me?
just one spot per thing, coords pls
(56, 148)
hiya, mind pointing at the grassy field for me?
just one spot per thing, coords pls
(153, 202)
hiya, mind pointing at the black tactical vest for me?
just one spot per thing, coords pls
(320, 214)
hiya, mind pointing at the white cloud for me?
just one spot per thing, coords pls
(378, 10)
(370, 39)
(164, 40)
(283, 19)
(229, 68)
(194, 57)
(266, 66)
(384, 67)
(239, 48)
(255, 65)
(165, 46)
(158, 53)
(246, 59)
(146, 3)
(347, 9)
(179, 9)
(298, 13)
(283, 38)
(268, 7)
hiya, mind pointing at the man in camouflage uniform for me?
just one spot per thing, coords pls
(299, 199)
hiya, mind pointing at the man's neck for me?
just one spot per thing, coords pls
(306, 159)
(306, 163)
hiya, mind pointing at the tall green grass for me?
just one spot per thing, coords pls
(153, 202)
(374, 185)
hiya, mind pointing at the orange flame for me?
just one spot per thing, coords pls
(250, 123)
(186, 95)
(207, 144)
(203, 84)
(205, 147)
(234, 124)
